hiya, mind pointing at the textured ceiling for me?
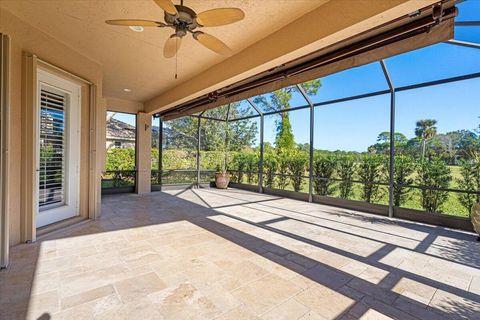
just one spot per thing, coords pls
(135, 60)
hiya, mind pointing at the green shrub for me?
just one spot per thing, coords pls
(120, 159)
(154, 158)
(240, 164)
(469, 181)
(270, 166)
(433, 174)
(211, 160)
(370, 170)
(297, 163)
(230, 157)
(404, 168)
(179, 159)
(252, 167)
(246, 164)
(324, 168)
(345, 170)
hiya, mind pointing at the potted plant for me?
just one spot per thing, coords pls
(222, 178)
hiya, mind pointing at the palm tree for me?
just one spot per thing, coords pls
(425, 130)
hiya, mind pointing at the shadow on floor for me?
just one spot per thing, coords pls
(16, 282)
(456, 250)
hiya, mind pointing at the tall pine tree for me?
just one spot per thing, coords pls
(280, 100)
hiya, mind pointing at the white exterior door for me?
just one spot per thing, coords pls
(58, 148)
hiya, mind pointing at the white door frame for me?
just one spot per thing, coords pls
(72, 148)
(4, 123)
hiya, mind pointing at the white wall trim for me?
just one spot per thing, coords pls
(4, 131)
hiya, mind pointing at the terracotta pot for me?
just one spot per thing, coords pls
(222, 179)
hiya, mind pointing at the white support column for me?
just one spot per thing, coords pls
(144, 149)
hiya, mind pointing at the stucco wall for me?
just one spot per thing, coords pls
(26, 38)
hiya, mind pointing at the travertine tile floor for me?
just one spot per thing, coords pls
(211, 254)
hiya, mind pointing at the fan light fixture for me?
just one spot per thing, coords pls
(136, 28)
(184, 20)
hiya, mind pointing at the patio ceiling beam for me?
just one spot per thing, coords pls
(262, 128)
(464, 43)
(227, 141)
(228, 112)
(304, 95)
(311, 149)
(199, 123)
(467, 23)
(254, 105)
(330, 23)
(246, 118)
(160, 153)
(213, 119)
(437, 82)
(391, 172)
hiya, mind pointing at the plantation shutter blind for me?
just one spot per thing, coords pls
(52, 149)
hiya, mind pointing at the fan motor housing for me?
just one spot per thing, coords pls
(184, 21)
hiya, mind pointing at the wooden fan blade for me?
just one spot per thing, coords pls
(171, 47)
(213, 43)
(132, 22)
(219, 17)
(167, 6)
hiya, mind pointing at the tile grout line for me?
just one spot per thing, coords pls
(470, 284)
(287, 299)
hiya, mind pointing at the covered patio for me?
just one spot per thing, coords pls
(234, 254)
(347, 134)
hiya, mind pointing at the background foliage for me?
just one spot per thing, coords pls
(423, 165)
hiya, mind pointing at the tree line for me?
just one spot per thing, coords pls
(424, 161)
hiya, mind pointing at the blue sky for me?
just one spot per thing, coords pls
(355, 125)
(469, 10)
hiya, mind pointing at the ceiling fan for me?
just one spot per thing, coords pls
(184, 20)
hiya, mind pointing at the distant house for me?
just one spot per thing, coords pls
(120, 134)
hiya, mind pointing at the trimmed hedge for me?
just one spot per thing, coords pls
(334, 174)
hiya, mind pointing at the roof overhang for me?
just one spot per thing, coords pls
(330, 24)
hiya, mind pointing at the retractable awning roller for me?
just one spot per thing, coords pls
(422, 28)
